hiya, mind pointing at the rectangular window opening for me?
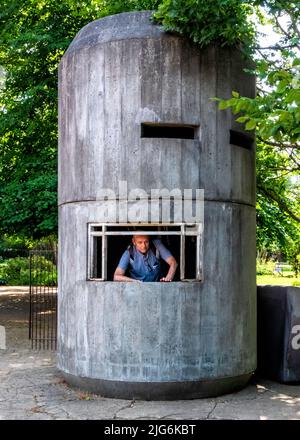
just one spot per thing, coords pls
(107, 243)
(241, 139)
(171, 131)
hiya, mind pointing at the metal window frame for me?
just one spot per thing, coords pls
(184, 229)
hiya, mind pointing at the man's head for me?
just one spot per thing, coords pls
(141, 242)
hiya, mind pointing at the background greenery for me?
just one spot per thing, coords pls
(16, 272)
(33, 37)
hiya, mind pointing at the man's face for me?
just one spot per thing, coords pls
(141, 242)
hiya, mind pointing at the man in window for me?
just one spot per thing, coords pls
(142, 259)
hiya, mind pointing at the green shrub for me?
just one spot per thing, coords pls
(264, 268)
(16, 272)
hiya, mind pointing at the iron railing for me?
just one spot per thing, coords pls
(43, 299)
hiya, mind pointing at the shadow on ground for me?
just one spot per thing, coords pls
(31, 387)
(14, 316)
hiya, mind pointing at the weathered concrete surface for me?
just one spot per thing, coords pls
(161, 332)
(121, 71)
(31, 388)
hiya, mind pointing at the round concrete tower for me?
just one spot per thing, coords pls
(135, 114)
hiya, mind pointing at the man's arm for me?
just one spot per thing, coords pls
(173, 266)
(119, 275)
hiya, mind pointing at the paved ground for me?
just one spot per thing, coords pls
(31, 388)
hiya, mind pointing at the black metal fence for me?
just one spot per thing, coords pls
(43, 299)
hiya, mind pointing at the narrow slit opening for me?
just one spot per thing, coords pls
(241, 139)
(171, 131)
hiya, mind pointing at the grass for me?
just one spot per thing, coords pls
(266, 275)
(277, 280)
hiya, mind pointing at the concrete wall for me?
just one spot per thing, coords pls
(109, 85)
(278, 309)
(154, 340)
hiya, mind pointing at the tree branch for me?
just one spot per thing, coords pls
(282, 172)
(277, 47)
(281, 28)
(281, 204)
(294, 26)
(270, 62)
(295, 146)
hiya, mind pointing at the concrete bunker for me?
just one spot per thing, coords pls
(134, 107)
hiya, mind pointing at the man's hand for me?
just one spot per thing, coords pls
(165, 279)
(119, 276)
(172, 269)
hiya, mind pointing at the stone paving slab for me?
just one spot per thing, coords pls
(31, 388)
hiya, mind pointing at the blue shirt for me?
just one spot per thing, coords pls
(144, 267)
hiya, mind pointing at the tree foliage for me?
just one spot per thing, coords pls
(33, 37)
(274, 115)
(223, 21)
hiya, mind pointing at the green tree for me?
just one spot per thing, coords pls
(33, 37)
(35, 33)
(274, 115)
